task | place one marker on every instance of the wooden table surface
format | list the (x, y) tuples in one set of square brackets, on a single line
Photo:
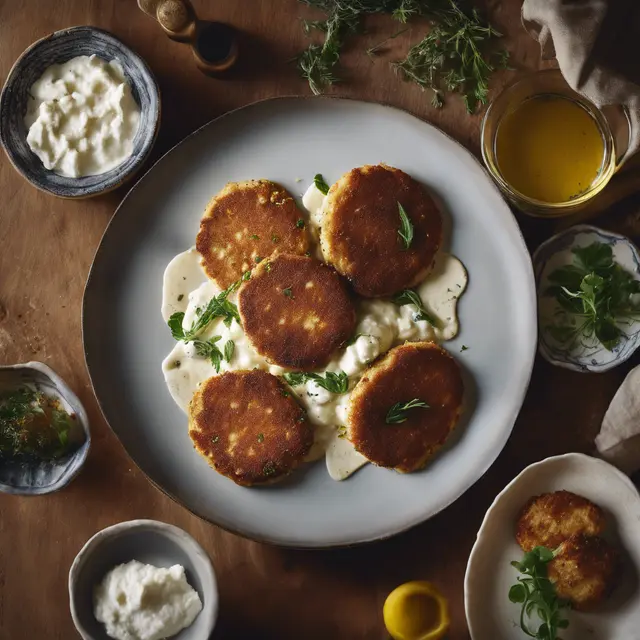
[(46, 248)]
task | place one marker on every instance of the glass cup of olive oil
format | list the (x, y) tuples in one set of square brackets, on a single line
[(550, 149)]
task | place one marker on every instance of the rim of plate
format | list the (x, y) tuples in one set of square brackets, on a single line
[(404, 526), (526, 471)]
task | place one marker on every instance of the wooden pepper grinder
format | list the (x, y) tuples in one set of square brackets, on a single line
[(214, 44)]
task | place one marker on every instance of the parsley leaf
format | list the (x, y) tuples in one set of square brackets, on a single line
[(398, 412), (320, 183), (209, 349), (406, 227), (333, 382), (409, 296), (288, 293), (229, 350)]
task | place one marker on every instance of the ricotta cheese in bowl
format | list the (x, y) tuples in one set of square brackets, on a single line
[(82, 117), (137, 601)]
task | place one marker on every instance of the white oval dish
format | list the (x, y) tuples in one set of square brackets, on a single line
[(149, 542), (490, 614), (588, 355)]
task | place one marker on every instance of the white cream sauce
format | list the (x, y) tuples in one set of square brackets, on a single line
[(82, 117), (380, 325)]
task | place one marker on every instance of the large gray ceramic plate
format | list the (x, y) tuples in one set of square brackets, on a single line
[(284, 139)]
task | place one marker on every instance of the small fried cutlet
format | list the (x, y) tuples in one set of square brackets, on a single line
[(414, 371), (245, 223), (549, 519), (249, 427), (360, 230), (584, 570), (296, 311)]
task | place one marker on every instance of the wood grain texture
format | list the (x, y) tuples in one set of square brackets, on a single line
[(46, 248)]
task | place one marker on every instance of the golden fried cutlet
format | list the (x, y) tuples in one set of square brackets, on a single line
[(360, 225), (249, 427), (417, 370), (296, 311), (549, 519), (584, 570), (245, 223)]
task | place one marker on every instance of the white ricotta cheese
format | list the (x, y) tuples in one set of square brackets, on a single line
[(81, 117), (138, 601)]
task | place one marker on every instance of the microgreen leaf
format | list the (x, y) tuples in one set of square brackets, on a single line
[(320, 183)]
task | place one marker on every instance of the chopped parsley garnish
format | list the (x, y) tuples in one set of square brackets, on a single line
[(406, 227), (333, 382), (209, 349), (261, 437), (275, 239), (258, 259), (463, 347), (398, 412), (300, 224), (180, 297), (269, 468), (253, 236), (229, 350), (320, 183), (288, 293)]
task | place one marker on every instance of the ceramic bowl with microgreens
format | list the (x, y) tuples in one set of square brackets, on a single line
[(588, 287), (21, 471)]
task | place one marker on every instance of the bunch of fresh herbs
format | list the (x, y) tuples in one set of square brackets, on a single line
[(536, 593), (595, 295), (456, 55)]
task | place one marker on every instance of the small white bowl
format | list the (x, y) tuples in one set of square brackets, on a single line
[(149, 542), (588, 355)]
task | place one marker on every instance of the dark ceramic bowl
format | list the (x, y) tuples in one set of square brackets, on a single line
[(57, 48), (39, 477)]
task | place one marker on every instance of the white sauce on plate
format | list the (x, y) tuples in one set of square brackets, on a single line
[(138, 601), (380, 326), (81, 117)]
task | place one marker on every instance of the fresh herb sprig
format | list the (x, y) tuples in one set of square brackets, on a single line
[(536, 593), (409, 296), (406, 227), (218, 307), (456, 55), (334, 382), (321, 184), (209, 349), (595, 295), (398, 412)]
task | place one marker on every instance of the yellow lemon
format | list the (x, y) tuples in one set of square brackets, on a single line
[(416, 611)]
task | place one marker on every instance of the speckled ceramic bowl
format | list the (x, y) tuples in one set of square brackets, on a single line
[(57, 48), (38, 477), (587, 354), (149, 542)]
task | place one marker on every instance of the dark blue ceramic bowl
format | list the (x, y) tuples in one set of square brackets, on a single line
[(57, 48)]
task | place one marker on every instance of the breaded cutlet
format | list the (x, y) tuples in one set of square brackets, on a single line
[(414, 371), (360, 230), (584, 570), (247, 222), (549, 519), (249, 427), (296, 311)]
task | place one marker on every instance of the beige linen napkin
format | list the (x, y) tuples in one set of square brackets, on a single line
[(596, 45), (619, 439)]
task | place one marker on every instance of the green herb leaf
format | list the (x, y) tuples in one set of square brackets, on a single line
[(229, 350), (320, 183), (409, 296), (535, 592), (269, 469), (595, 295), (209, 349), (406, 227), (333, 382), (175, 325), (261, 437), (300, 224), (253, 236), (288, 293), (398, 412)]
